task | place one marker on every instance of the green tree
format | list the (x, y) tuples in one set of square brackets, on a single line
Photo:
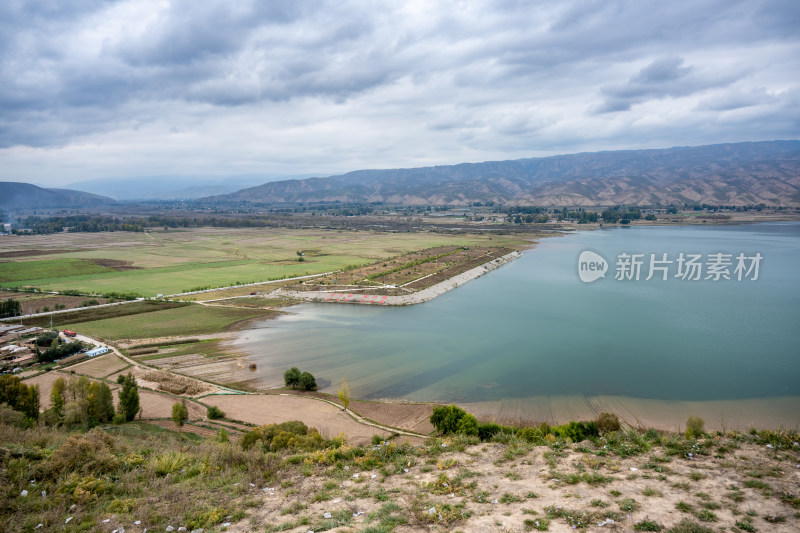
[(344, 394), (129, 398), (101, 402), (57, 397), (292, 377), (180, 414), (307, 381), (20, 397)]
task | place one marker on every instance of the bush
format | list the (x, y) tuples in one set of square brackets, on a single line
[(11, 417), (576, 431), (452, 419), (293, 435), (88, 454), (487, 431), (607, 422), (695, 427), (215, 413)]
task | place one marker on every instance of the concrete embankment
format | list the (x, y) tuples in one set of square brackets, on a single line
[(365, 298)]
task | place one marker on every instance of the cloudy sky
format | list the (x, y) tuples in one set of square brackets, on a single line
[(272, 87)]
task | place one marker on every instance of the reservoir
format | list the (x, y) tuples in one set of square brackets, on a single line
[(533, 341)]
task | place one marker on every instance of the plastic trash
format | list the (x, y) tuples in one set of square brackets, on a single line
[(170, 528), (44, 494), (327, 515), (373, 476), (107, 520), (634, 469), (359, 513), (226, 524), (38, 526), (770, 446), (67, 520), (432, 510), (23, 493), (137, 522), (355, 476)]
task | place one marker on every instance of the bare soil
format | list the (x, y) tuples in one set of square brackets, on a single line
[(262, 409)]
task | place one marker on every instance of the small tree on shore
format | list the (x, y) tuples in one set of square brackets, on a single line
[(307, 381), (292, 377), (344, 394)]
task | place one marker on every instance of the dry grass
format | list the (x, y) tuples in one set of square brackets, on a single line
[(174, 384)]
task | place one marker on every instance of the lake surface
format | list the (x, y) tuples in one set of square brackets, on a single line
[(533, 328)]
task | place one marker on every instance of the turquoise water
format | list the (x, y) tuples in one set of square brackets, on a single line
[(533, 328)]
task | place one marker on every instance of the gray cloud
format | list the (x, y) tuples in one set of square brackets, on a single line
[(342, 85)]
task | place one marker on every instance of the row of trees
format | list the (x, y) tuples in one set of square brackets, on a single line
[(80, 401), (9, 308), (294, 378)]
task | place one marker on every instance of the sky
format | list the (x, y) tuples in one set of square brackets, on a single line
[(93, 89)]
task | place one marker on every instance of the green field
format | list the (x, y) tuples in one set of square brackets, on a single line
[(192, 319), (178, 261), (46, 269)]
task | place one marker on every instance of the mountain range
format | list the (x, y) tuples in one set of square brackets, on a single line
[(15, 195), (748, 173)]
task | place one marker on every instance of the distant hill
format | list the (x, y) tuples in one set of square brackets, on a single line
[(723, 174), (170, 187), (15, 195)]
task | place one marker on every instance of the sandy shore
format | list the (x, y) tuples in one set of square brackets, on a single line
[(414, 298), (761, 413)]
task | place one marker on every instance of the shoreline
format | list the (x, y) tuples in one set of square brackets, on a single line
[(418, 297)]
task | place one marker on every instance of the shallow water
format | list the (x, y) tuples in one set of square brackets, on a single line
[(532, 328)]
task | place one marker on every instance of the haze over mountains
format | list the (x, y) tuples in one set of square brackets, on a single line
[(723, 174)]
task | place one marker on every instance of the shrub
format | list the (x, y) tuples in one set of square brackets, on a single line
[(487, 431), (292, 435), (452, 419), (695, 427), (128, 398), (88, 454), (607, 422), (11, 417), (576, 431), (215, 413)]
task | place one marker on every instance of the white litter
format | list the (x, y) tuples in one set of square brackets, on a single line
[(634, 469), (327, 515), (38, 526), (452, 494), (337, 500), (405, 470), (373, 476), (494, 501), (444, 445), (181, 528), (347, 467), (432, 510), (107, 520), (67, 520), (356, 515), (226, 524), (23, 493), (252, 484), (170, 528), (355, 476), (198, 530), (44, 494), (770, 446)]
